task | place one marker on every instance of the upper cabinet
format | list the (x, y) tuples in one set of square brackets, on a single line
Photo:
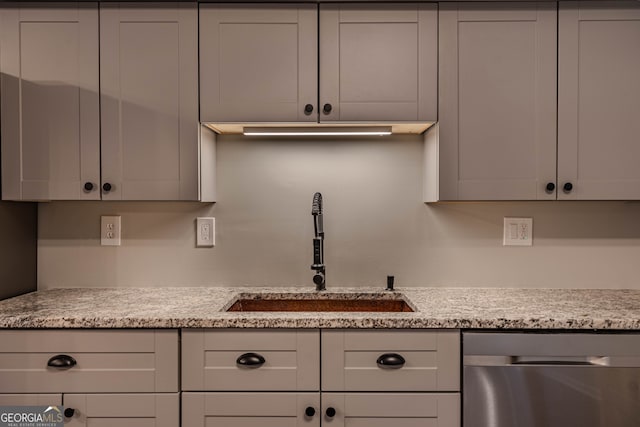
[(501, 90), (497, 102), (50, 101), (535, 100), (149, 101), (599, 100), (377, 62), (258, 62), (101, 104)]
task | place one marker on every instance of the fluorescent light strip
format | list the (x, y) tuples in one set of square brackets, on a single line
[(318, 131)]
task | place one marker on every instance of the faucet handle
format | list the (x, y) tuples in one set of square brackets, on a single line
[(319, 280), (317, 253)]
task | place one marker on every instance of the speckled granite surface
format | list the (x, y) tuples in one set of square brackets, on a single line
[(496, 308)]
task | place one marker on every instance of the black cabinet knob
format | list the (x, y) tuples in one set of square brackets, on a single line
[(550, 187), (308, 109), (250, 360), (567, 187), (88, 186), (327, 108), (68, 412), (106, 187), (331, 412), (62, 361), (310, 411)]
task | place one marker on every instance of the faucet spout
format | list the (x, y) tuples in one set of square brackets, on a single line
[(316, 204), (318, 243), (316, 211)]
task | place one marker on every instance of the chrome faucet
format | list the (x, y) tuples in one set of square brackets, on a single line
[(318, 243)]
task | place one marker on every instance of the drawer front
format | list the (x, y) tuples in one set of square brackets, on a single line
[(397, 410), (123, 410), (250, 409), (350, 360), (108, 361), (210, 360)]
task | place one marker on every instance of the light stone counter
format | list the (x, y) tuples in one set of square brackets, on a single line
[(495, 308)]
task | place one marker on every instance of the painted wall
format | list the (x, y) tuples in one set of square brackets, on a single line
[(375, 225), (18, 261)]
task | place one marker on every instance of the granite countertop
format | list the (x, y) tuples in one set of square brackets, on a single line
[(492, 308)]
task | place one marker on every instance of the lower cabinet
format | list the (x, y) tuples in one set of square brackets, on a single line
[(391, 409), (123, 410), (321, 409), (103, 378), (320, 378), (236, 378), (107, 410), (250, 409)]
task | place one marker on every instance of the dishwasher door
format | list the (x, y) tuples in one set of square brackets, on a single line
[(551, 380)]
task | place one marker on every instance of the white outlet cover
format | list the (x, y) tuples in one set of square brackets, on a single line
[(205, 232), (517, 232), (110, 227)]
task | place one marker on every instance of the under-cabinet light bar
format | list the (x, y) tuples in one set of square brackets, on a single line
[(318, 131)]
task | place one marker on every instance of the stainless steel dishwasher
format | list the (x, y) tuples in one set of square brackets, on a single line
[(551, 380)]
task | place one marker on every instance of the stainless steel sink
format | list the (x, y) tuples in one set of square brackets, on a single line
[(321, 303)]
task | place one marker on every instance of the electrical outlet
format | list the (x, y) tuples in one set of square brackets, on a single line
[(110, 230), (205, 232), (518, 232)]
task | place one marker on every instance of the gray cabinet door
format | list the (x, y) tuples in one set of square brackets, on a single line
[(149, 100), (378, 62), (397, 410), (50, 101), (258, 62), (250, 409), (497, 100), (123, 410), (599, 100)]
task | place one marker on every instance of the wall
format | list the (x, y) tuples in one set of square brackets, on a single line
[(18, 261), (375, 225)]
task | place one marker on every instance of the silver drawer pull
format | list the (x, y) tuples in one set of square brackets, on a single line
[(62, 361), (250, 360), (390, 361)]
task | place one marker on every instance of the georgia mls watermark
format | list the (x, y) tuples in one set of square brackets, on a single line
[(31, 416)]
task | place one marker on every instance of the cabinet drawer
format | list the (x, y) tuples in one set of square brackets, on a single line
[(398, 409), (350, 360), (210, 360), (126, 410), (106, 361), (250, 409)]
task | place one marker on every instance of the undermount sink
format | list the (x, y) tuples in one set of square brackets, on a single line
[(321, 303)]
